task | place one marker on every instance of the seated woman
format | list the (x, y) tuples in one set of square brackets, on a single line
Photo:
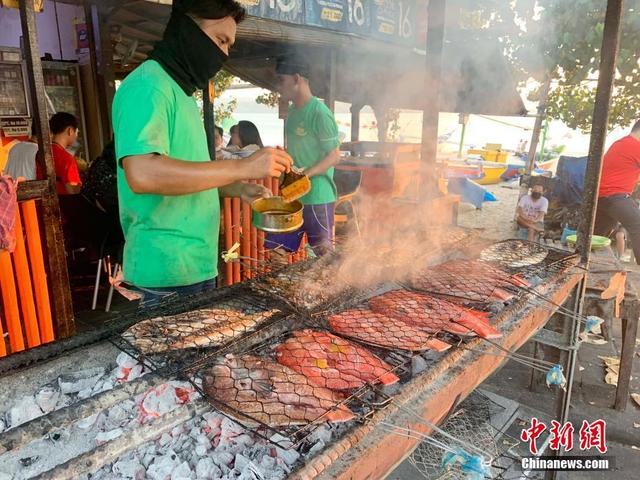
[(531, 211), (248, 140)]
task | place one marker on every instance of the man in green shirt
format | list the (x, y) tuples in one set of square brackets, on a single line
[(168, 188), (313, 143)]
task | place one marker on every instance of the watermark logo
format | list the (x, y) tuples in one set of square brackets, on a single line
[(591, 435)]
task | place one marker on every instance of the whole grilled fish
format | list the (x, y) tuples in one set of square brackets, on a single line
[(433, 314), (483, 270), (333, 362), (208, 327), (383, 331), (265, 392), (443, 280)]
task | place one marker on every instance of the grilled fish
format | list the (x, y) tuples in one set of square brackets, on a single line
[(208, 327), (515, 253), (333, 362), (483, 270), (265, 392), (383, 331), (455, 280), (433, 314)]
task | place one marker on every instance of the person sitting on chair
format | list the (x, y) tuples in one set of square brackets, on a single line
[(531, 211)]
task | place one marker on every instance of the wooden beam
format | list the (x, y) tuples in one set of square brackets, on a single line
[(103, 118), (431, 113), (57, 262), (600, 124), (107, 86), (32, 190)]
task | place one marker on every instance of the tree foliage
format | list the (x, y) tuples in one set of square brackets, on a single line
[(562, 39)]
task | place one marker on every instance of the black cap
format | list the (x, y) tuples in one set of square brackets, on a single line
[(292, 65), (182, 6)]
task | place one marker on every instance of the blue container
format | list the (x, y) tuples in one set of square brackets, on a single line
[(565, 233)]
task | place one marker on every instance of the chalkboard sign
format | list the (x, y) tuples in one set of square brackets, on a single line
[(394, 21), (291, 11), (349, 16)]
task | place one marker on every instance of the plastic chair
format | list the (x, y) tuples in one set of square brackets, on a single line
[(348, 184)]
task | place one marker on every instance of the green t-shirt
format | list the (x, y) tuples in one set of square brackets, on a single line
[(312, 132), (170, 240)]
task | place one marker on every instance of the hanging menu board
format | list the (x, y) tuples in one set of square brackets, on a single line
[(394, 21), (291, 11), (349, 16), (387, 20)]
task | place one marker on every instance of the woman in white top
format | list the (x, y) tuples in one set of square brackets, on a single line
[(248, 141)]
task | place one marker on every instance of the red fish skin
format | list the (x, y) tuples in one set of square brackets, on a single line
[(383, 331), (406, 306), (483, 270), (332, 361), (271, 393), (434, 312)]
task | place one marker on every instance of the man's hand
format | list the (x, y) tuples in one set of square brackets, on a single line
[(250, 192), (267, 162)]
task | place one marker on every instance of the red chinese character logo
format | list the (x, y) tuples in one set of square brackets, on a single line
[(531, 434), (593, 435), (561, 436)]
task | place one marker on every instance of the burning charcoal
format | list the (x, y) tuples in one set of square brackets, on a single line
[(77, 381), (104, 437), (316, 449), (27, 409), (206, 469), (129, 469), (162, 468), (86, 393), (182, 472), (321, 434), (89, 422), (165, 398), (165, 439), (5, 476), (3, 425), (418, 365), (28, 461), (287, 454), (47, 398), (201, 450), (222, 458)]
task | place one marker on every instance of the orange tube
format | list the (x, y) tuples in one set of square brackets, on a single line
[(3, 347), (228, 239), (246, 240), (29, 318), (235, 219), (10, 303), (39, 275)]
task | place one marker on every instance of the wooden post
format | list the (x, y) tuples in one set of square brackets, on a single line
[(537, 127), (58, 275), (107, 87), (431, 112), (103, 117), (600, 123)]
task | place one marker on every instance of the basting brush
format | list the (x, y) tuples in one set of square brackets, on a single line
[(295, 185)]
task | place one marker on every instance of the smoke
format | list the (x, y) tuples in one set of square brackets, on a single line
[(396, 239)]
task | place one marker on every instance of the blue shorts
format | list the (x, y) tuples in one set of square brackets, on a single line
[(318, 225), (153, 297)]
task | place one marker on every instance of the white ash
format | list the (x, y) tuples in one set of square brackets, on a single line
[(210, 446)]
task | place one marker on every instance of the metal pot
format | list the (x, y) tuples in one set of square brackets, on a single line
[(274, 215)]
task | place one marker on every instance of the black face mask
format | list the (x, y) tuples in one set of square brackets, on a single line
[(188, 54), (536, 195)]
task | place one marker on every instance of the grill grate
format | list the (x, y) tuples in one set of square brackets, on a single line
[(181, 333), (275, 401), (473, 423)]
